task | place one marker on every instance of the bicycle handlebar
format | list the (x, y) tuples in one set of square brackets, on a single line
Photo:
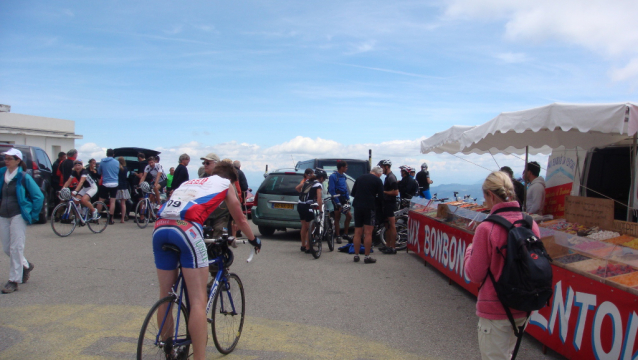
[(230, 240)]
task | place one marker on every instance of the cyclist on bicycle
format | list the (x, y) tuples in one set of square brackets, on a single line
[(337, 186), (180, 224), (310, 190), (86, 188), (157, 177)]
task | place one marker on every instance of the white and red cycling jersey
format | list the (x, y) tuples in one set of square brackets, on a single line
[(194, 200)]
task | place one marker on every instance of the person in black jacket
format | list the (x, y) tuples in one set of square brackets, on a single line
[(181, 172), (408, 187), (368, 195), (55, 179), (519, 188)]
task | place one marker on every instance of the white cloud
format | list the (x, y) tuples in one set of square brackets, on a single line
[(630, 71), (604, 27), (91, 151)]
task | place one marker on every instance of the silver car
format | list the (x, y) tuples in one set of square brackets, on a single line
[(275, 205)]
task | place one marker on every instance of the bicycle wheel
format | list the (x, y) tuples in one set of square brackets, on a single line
[(402, 237), (314, 239), (63, 219), (227, 318), (329, 232), (97, 226), (142, 209), (167, 347)]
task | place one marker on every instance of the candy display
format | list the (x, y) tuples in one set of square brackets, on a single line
[(568, 259), (620, 240), (564, 226), (632, 244), (575, 240), (630, 280), (612, 270), (591, 245), (588, 265), (603, 235)]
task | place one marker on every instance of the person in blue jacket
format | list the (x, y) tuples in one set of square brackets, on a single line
[(20, 203), (109, 169), (337, 186)]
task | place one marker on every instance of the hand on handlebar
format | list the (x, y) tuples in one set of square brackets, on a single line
[(256, 243)]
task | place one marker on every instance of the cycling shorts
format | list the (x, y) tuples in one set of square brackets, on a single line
[(90, 191), (305, 213), (389, 207), (185, 235), (107, 192), (364, 217)]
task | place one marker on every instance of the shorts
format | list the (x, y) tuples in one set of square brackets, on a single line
[(305, 214), (162, 185), (426, 194), (389, 207), (90, 191), (185, 235), (364, 217), (496, 338), (339, 206), (107, 192)]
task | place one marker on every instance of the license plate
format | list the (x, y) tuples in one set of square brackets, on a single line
[(283, 206)]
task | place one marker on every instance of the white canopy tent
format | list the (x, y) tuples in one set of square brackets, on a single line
[(542, 129)]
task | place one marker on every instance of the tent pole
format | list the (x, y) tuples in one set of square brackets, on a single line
[(526, 184), (632, 191)]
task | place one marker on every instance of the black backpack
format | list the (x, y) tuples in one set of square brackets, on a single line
[(305, 190), (526, 280)]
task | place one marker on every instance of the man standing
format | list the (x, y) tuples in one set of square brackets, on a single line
[(142, 163), (169, 180), (55, 179), (390, 191), (243, 186), (408, 187), (66, 167), (519, 188), (338, 187), (423, 178), (535, 189), (181, 172), (157, 177), (109, 169), (367, 192)]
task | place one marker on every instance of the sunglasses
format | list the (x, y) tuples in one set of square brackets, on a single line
[(208, 162), (9, 158)]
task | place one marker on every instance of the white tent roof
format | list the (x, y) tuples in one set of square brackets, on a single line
[(542, 129)]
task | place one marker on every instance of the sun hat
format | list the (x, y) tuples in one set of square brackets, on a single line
[(211, 156)]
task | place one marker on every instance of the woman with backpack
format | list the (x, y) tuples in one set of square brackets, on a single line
[(20, 204), (310, 192), (483, 257)]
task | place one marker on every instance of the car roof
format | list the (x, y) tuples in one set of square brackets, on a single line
[(133, 151)]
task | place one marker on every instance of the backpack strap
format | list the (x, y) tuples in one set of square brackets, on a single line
[(497, 219), (508, 209)]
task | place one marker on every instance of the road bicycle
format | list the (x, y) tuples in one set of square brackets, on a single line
[(166, 336), (322, 228), (67, 215), (145, 211), (401, 226)]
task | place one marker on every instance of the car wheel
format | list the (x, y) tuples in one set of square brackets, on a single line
[(266, 230)]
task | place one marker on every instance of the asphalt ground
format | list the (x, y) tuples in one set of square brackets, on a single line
[(89, 294)]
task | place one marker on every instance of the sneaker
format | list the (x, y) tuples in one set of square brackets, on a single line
[(338, 239), (96, 215), (26, 273), (369, 260), (389, 251), (308, 251), (10, 287), (356, 258), (303, 248)]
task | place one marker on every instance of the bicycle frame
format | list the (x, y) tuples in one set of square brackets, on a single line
[(148, 205), (72, 205)]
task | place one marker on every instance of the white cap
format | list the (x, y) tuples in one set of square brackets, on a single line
[(13, 152)]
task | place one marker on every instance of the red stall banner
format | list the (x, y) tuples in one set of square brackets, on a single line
[(586, 318)]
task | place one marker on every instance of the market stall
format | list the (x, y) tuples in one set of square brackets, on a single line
[(593, 312)]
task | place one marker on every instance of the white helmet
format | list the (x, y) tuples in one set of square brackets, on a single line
[(385, 162), (424, 166), (65, 194), (145, 187)]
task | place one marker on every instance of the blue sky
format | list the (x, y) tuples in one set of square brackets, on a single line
[(272, 82)]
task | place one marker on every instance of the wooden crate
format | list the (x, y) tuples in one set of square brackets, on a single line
[(627, 228)]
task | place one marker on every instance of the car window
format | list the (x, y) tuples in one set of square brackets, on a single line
[(42, 159), (280, 184)]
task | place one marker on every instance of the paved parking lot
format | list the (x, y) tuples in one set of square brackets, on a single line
[(89, 293)]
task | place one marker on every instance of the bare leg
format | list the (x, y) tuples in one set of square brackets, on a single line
[(367, 238), (346, 224), (357, 241), (123, 208), (112, 207), (337, 223), (166, 280), (197, 323), (304, 233), (86, 201), (391, 233)]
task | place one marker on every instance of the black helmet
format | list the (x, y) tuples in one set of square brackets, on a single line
[(321, 173), (385, 162)]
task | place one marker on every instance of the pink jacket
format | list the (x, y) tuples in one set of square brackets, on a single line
[(482, 254)]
